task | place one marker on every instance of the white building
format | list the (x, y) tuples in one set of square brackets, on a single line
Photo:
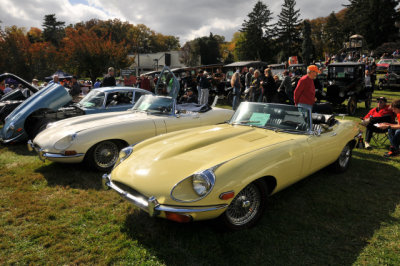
[(156, 61)]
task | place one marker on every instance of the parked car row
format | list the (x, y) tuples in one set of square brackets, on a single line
[(183, 162)]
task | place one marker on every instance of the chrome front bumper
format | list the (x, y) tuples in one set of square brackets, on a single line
[(17, 138), (47, 155), (151, 205)]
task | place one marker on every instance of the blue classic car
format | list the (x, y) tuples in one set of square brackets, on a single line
[(54, 103)]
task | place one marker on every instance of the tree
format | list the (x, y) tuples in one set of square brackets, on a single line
[(53, 30), (207, 48), (86, 53), (333, 36), (288, 29), (307, 47), (253, 44), (373, 19)]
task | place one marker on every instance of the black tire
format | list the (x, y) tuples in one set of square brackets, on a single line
[(104, 155), (246, 208), (343, 162), (39, 127), (352, 106)]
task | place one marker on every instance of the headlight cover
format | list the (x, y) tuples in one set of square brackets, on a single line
[(123, 155), (195, 187), (65, 142)]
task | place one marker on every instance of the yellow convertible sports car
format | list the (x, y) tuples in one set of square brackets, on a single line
[(228, 170), (98, 138)]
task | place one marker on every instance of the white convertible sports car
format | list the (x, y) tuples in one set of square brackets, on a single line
[(98, 138)]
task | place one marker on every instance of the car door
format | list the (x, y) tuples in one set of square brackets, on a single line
[(118, 101), (325, 149), (182, 121)]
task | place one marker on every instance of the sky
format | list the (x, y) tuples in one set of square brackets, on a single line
[(185, 19)]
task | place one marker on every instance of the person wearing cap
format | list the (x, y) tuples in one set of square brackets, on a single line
[(188, 97), (35, 83), (380, 114), (304, 94), (109, 79), (393, 131)]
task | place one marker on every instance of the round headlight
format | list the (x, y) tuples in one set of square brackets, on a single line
[(123, 154), (203, 182), (65, 142)]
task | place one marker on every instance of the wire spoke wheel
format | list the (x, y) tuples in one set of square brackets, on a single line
[(105, 154), (245, 206), (344, 157)]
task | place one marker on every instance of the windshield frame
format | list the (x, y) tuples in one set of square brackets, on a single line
[(150, 97), (94, 93), (284, 110)]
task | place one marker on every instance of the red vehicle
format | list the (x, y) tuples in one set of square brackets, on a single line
[(383, 65)]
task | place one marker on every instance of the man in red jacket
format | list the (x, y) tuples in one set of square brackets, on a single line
[(381, 113), (304, 94)]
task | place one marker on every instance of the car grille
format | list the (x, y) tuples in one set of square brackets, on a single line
[(128, 189)]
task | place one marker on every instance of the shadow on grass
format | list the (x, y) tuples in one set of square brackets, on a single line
[(325, 219), (78, 175), (18, 148)]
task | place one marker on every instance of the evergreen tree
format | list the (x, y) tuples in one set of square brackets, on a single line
[(373, 19), (257, 34), (53, 30), (307, 47), (333, 36), (288, 29)]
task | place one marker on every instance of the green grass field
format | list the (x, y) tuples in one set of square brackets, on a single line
[(59, 214)]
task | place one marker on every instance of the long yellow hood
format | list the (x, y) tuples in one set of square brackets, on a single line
[(157, 164)]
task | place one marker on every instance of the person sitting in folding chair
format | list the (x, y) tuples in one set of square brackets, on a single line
[(380, 114), (393, 131)]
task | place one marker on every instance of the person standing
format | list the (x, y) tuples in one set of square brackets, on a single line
[(247, 82), (304, 94), (255, 86), (236, 86), (7, 89), (56, 79), (75, 90), (109, 79), (205, 86), (269, 87), (97, 84), (286, 86)]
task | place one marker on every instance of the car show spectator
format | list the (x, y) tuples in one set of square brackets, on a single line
[(35, 83), (304, 94), (393, 131), (380, 114), (286, 86), (205, 88), (7, 89), (236, 90), (97, 84), (188, 97), (75, 89), (255, 86), (109, 79), (269, 87), (56, 80), (247, 82)]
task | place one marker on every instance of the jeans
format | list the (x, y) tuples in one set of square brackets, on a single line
[(305, 106), (204, 96), (236, 98), (394, 137)]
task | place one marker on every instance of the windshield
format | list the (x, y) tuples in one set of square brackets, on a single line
[(154, 104), (272, 116), (94, 99)]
